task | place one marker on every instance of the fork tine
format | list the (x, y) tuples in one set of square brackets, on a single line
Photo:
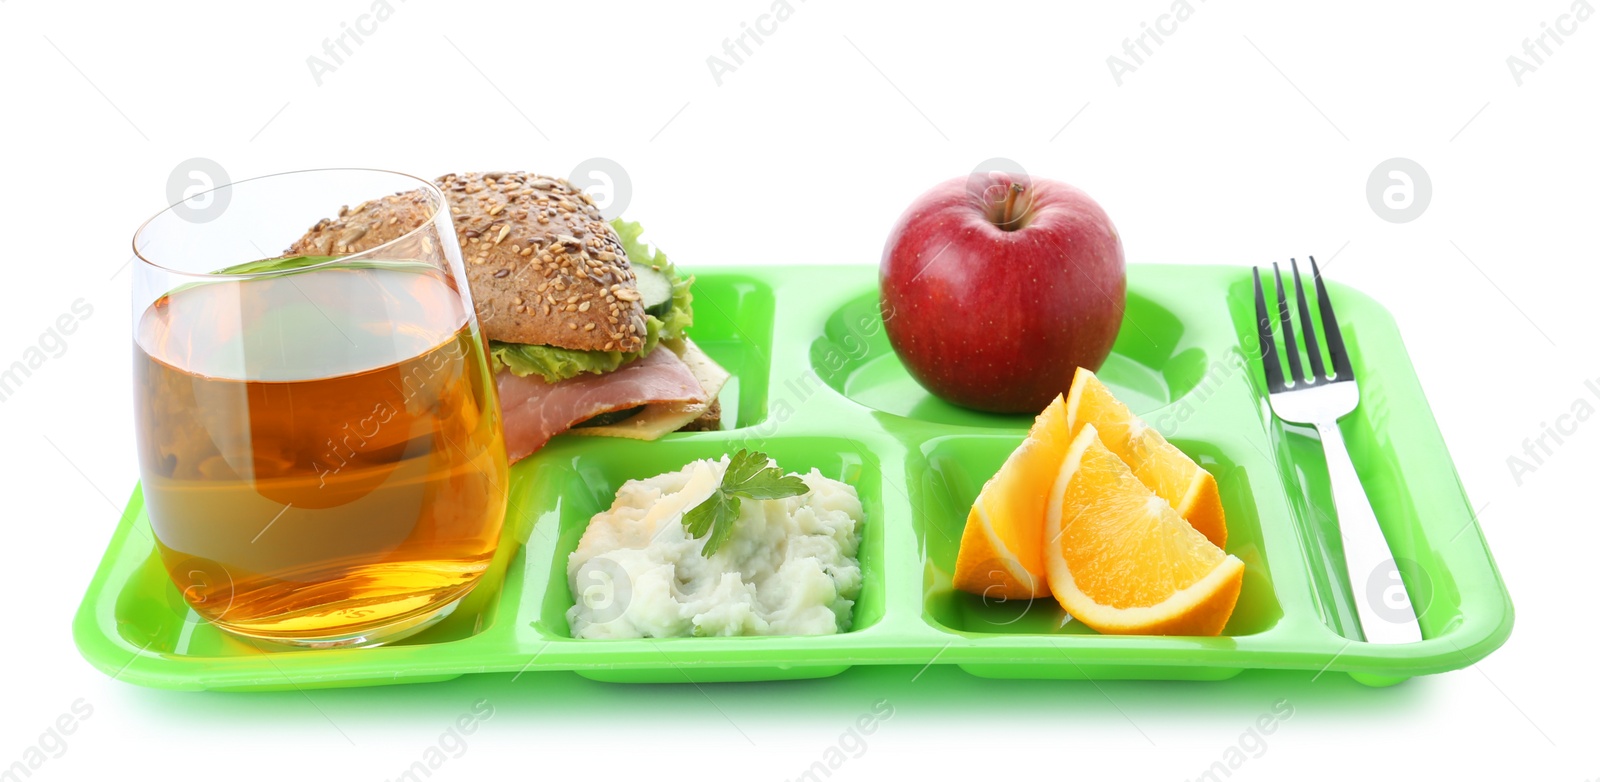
[(1291, 348), (1313, 351), (1269, 350), (1330, 327)]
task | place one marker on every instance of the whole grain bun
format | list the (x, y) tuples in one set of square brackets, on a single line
[(544, 267), (365, 226)]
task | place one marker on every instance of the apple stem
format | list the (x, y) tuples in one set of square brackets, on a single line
[(1010, 206)]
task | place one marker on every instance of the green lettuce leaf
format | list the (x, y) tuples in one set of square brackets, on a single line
[(556, 364), (280, 264), (293, 264)]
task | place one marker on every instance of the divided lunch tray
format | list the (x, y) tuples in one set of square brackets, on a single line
[(816, 385)]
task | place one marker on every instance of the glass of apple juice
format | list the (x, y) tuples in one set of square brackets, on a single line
[(319, 437)]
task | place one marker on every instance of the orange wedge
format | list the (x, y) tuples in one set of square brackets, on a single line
[(1158, 464), (1119, 559), (1001, 556)]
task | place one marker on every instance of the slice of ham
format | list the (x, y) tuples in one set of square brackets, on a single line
[(658, 419), (535, 411)]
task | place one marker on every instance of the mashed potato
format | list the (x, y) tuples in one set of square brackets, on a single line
[(789, 567)]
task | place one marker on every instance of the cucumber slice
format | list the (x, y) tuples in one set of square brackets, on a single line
[(655, 290), (613, 417)]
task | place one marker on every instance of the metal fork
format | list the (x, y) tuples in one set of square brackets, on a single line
[(1321, 400)]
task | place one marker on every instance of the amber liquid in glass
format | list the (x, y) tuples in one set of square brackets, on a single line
[(321, 451)]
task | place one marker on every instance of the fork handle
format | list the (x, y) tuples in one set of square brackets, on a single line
[(1382, 603)]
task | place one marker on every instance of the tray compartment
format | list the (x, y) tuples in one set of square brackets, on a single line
[(576, 481), (1389, 394), (734, 316), (956, 468), (1151, 364), (150, 613)]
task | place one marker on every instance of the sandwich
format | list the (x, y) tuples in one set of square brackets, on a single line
[(586, 324)]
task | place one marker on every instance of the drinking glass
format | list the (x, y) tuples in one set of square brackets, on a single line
[(319, 436)]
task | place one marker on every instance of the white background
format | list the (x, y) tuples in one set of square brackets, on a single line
[(1247, 137)]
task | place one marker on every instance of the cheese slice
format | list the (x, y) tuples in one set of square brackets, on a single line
[(658, 419)]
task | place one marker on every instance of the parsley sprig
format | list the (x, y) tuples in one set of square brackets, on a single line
[(748, 476)]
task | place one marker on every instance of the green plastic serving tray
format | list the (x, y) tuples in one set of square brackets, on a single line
[(816, 385)]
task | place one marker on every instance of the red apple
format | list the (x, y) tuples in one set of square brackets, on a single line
[(996, 287)]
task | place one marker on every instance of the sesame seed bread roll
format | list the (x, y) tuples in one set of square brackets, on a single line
[(544, 267), (365, 226)]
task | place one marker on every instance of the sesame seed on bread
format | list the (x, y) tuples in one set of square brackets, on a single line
[(544, 267), (365, 226)]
